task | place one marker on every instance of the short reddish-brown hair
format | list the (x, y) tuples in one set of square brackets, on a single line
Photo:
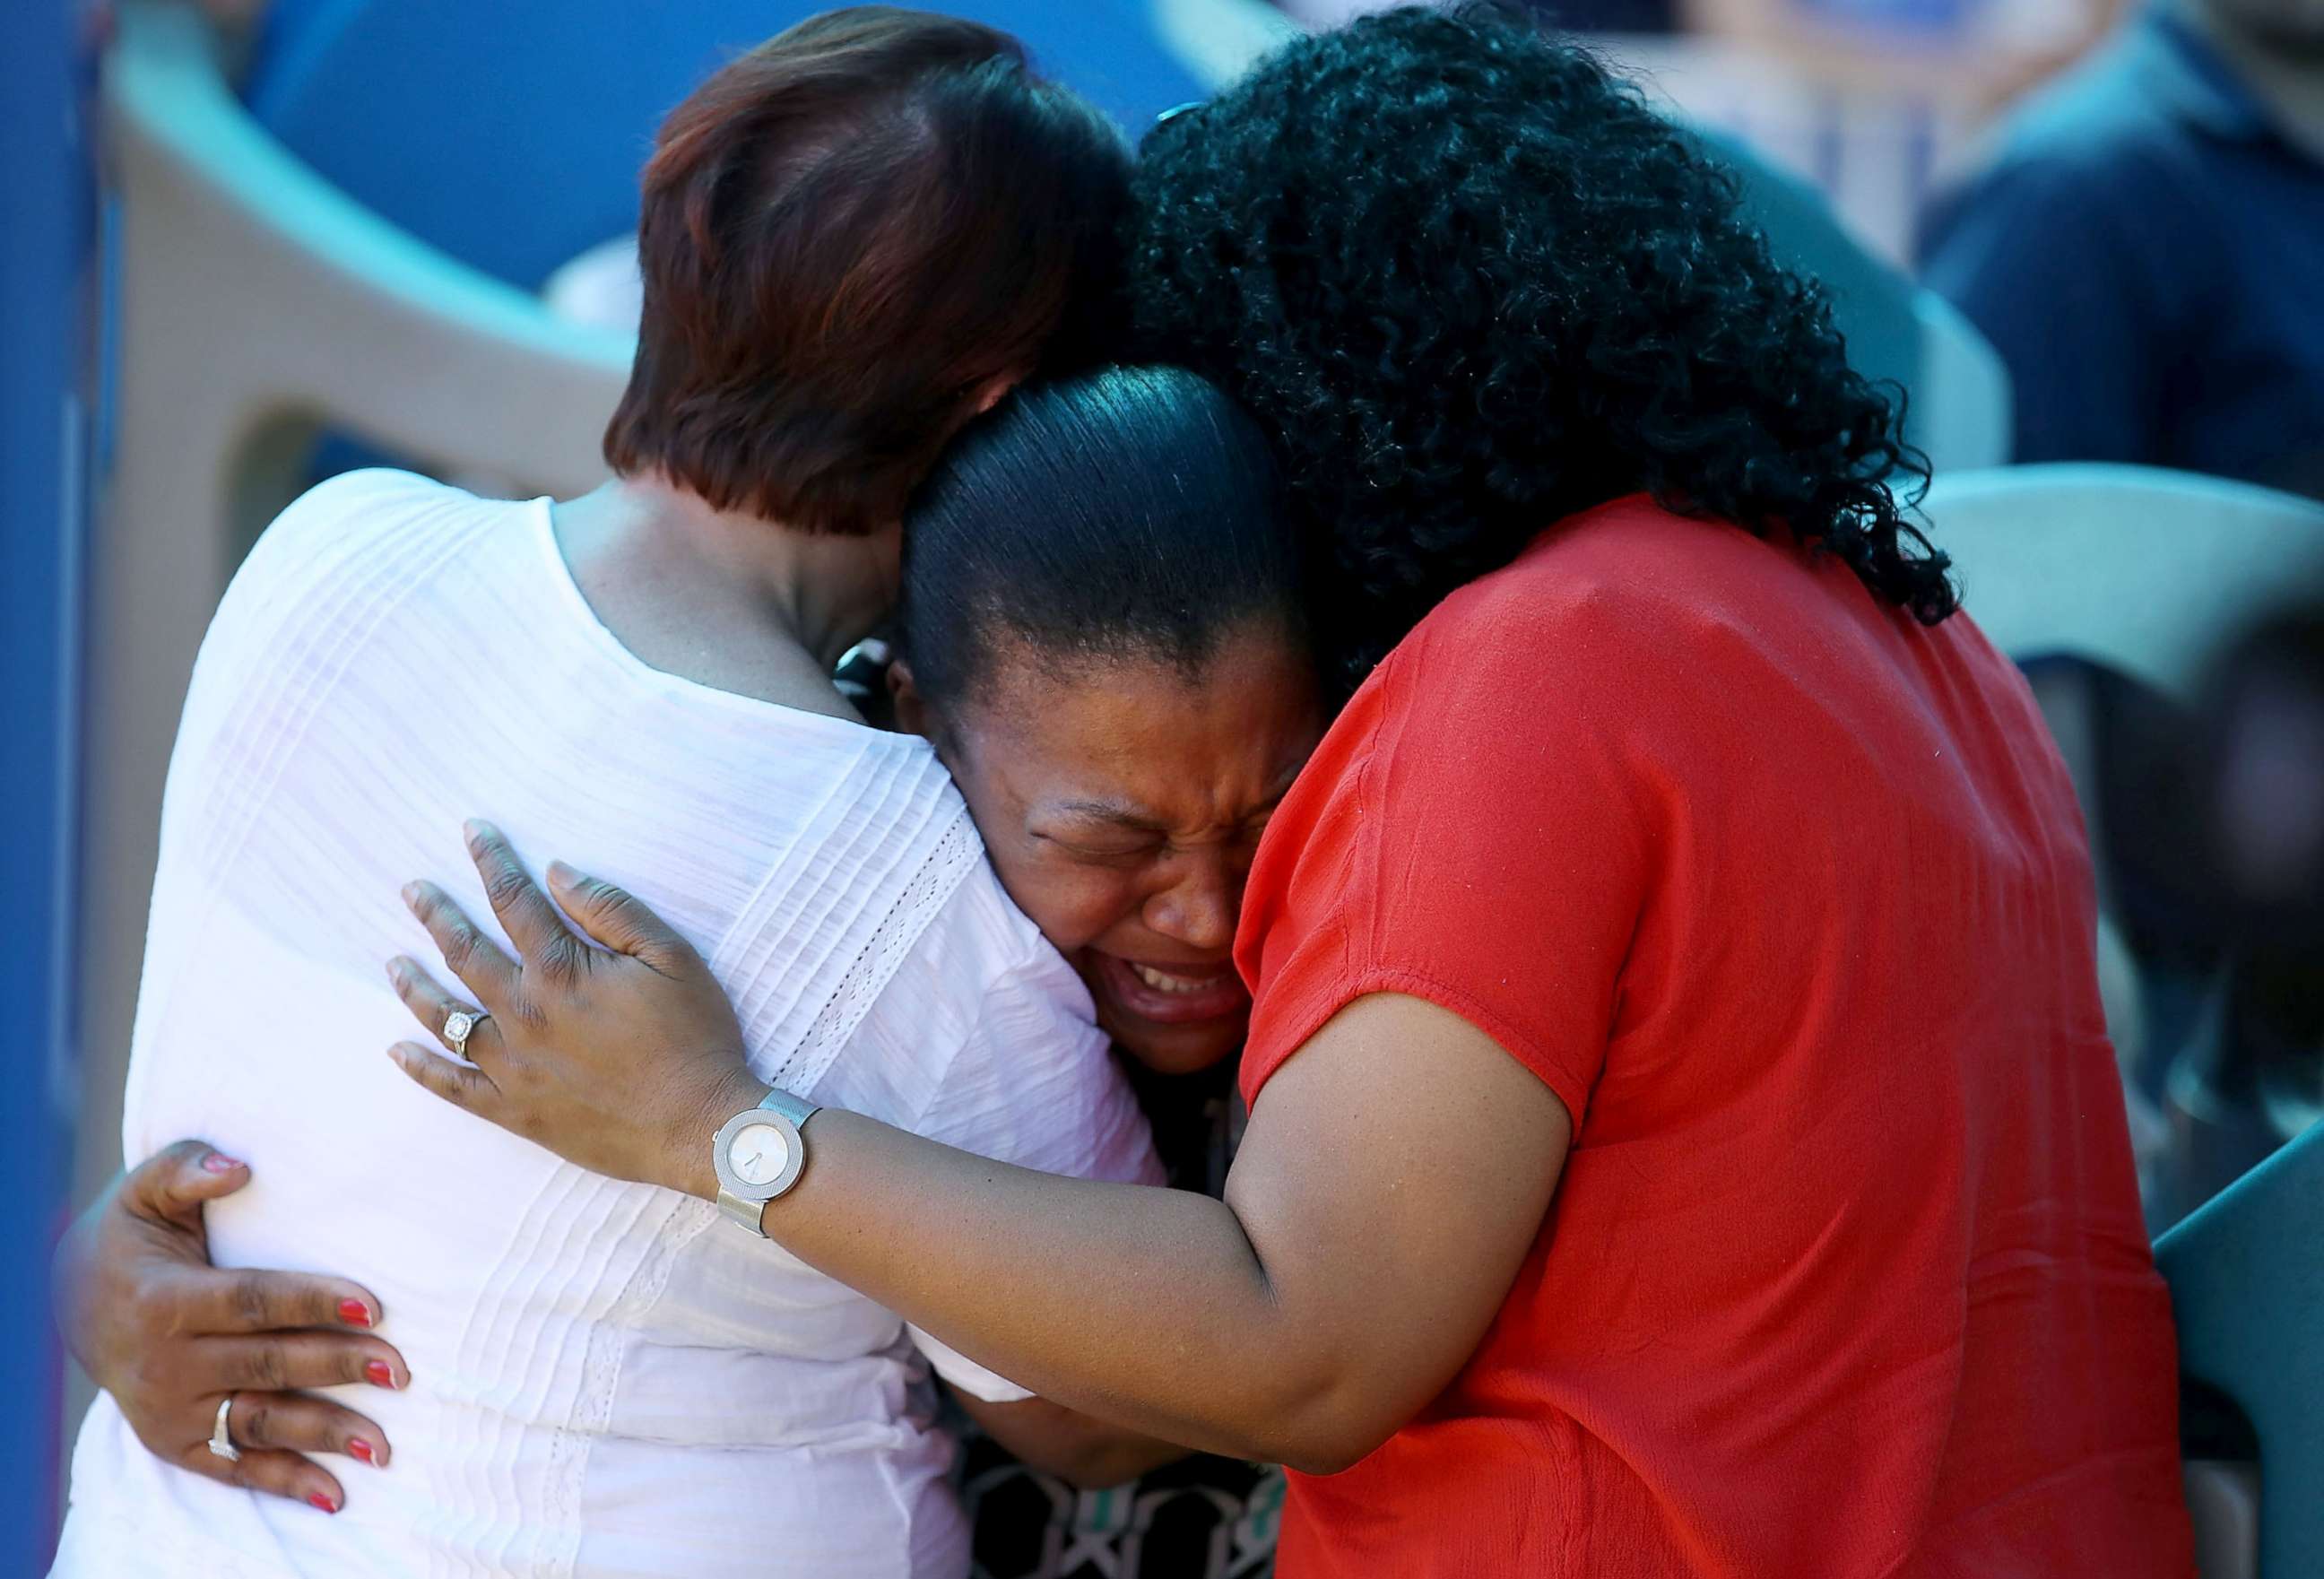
[(845, 236)]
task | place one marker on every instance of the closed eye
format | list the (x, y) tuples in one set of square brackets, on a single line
[(1108, 853)]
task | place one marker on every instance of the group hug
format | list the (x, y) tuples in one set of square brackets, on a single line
[(1289, 819)]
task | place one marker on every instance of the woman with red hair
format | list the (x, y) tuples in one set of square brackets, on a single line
[(854, 239)]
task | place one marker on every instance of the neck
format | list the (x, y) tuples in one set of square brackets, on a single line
[(2288, 80), (824, 593), (727, 600)]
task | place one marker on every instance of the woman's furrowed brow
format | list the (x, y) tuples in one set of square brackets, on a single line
[(1123, 813)]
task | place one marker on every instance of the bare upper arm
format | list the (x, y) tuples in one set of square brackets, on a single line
[(1392, 1179)]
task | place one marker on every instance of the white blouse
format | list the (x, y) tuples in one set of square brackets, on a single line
[(608, 1379)]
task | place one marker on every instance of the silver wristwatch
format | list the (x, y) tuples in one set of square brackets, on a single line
[(759, 1153)]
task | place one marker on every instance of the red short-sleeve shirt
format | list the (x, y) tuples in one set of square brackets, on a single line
[(1787, 899)]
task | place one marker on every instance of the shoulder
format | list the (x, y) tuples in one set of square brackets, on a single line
[(358, 496), (353, 516), (2154, 92), (1030, 1013), (2045, 199), (983, 935), (2104, 106), (929, 921), (1536, 690), (1610, 595), (1608, 660), (2113, 137), (1007, 1058), (1629, 549), (340, 554), (978, 970)]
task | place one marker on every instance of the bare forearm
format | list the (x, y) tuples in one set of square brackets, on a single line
[(1147, 1308), (1079, 1449), (1387, 1192)]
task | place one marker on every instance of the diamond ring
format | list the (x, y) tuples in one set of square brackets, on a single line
[(459, 1025), (222, 1444)]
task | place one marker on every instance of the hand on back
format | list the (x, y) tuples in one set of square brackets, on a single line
[(623, 1058), (170, 1336)]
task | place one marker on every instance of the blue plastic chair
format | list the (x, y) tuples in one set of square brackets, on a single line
[(509, 134), (2246, 1275)]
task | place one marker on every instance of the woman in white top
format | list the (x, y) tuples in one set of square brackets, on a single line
[(609, 1382), (1104, 618), (597, 1378)]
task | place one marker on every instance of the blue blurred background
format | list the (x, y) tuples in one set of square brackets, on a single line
[(248, 243)]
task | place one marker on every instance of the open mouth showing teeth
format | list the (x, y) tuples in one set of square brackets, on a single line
[(1184, 996), (1163, 981)]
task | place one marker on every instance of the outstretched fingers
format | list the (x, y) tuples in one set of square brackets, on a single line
[(433, 1008), (256, 1300), (621, 920), (294, 1422), (273, 1471), (482, 967), (532, 923)]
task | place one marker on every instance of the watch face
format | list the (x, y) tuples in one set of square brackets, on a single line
[(757, 1153)]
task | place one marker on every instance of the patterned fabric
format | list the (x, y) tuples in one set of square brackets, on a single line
[(1202, 1518)]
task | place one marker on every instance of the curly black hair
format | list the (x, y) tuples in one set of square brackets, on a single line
[(1471, 283)]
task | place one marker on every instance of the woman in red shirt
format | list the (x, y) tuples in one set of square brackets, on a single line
[(1683, 1135)]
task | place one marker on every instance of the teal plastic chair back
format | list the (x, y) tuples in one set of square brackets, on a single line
[(1871, 302), (2148, 571), (1958, 412), (2246, 1275)]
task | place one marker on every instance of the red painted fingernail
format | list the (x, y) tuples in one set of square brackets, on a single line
[(219, 1162), (359, 1448), (354, 1313), (380, 1375), (325, 1503)]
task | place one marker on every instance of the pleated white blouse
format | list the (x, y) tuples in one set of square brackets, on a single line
[(607, 1378)]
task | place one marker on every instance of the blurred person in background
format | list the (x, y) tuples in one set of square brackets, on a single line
[(2212, 811), (1983, 51), (857, 237), (2144, 247), (1976, 53), (2263, 755)]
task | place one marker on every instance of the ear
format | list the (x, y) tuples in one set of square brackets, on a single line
[(992, 392), (911, 710)]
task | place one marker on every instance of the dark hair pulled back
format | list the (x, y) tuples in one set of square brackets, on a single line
[(1128, 515)]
